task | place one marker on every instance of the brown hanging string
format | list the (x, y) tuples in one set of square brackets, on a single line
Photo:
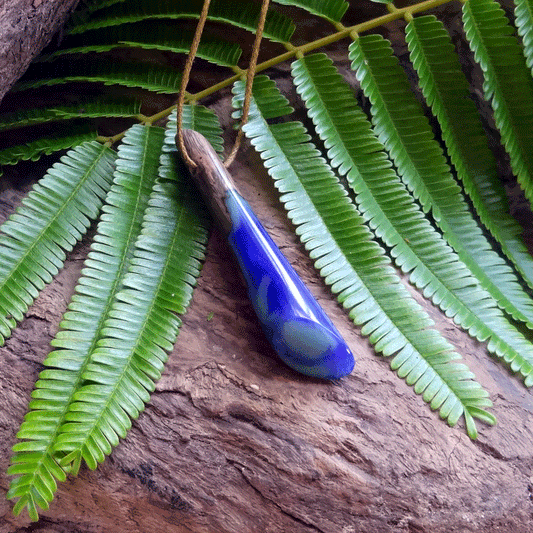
[(185, 80), (250, 73)]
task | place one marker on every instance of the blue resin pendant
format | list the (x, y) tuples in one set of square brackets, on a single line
[(297, 327)]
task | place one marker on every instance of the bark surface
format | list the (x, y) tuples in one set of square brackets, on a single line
[(26, 27), (233, 441)]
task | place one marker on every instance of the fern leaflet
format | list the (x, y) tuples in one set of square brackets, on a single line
[(508, 84), (338, 240), (149, 36), (155, 78), (239, 13), (415, 245), (446, 90), (404, 130), (195, 117), (524, 22), (87, 109), (329, 9), (33, 150), (51, 219)]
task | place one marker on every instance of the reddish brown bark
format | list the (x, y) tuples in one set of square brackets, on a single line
[(233, 441), (26, 27)]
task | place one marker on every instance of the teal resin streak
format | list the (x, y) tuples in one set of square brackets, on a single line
[(293, 321)]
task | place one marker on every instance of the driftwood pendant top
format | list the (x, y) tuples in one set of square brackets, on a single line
[(293, 321)]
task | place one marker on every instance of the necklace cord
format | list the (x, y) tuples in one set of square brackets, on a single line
[(185, 80), (250, 73)]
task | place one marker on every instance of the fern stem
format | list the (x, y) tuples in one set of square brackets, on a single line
[(342, 33), (294, 51)]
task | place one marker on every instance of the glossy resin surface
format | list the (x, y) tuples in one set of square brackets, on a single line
[(293, 321)]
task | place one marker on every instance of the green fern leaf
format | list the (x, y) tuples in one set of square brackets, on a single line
[(101, 281), (524, 22), (51, 219), (197, 118), (446, 90), (402, 127), (141, 328), (88, 109), (330, 9), (415, 246), (149, 36), (152, 77), (81, 326), (239, 13), (354, 265), (507, 84), (47, 145)]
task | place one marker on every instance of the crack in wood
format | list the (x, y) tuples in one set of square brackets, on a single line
[(241, 468)]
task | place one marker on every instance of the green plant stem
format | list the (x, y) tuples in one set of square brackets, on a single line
[(340, 34), (296, 51)]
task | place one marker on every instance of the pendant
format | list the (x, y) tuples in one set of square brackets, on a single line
[(293, 321)]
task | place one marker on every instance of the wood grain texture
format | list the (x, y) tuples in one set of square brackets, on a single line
[(26, 27), (234, 441), (211, 177)]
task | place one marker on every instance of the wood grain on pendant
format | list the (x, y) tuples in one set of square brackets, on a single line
[(210, 176), (297, 327)]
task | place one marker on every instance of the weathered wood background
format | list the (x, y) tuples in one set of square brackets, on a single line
[(26, 27), (235, 442)]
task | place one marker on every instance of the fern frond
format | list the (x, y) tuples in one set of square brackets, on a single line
[(102, 279), (82, 324), (239, 13), (415, 245), (507, 83), (355, 266), (142, 327), (89, 109), (329, 9), (51, 219), (47, 145), (149, 36), (446, 90), (198, 118), (404, 130), (524, 22), (149, 76)]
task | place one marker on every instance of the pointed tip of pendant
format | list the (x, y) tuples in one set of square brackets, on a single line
[(340, 364)]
